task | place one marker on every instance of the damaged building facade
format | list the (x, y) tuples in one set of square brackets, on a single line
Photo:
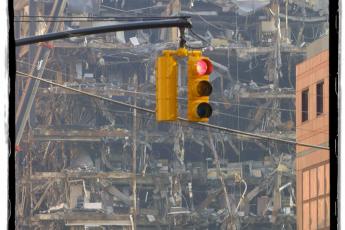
[(86, 163)]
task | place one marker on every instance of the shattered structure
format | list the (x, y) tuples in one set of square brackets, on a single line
[(84, 163)]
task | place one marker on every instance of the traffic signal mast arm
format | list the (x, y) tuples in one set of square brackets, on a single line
[(181, 22), (199, 68)]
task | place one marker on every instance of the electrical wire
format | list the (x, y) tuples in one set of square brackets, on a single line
[(152, 94), (144, 8), (129, 11), (223, 28), (215, 112), (125, 114), (200, 38), (238, 132), (151, 119), (211, 24), (213, 102)]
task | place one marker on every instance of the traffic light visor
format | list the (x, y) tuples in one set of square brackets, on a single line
[(203, 67)]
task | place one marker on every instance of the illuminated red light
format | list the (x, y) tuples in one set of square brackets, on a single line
[(203, 67)]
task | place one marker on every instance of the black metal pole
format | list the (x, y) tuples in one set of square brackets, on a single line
[(179, 22)]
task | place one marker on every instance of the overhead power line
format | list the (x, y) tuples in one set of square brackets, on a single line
[(234, 131), (213, 101), (133, 11)]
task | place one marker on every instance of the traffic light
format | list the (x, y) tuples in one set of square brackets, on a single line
[(166, 87), (199, 87)]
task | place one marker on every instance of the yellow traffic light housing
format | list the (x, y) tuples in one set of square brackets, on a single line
[(199, 87), (166, 87)]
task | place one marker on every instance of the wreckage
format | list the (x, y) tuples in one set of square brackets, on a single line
[(85, 163)]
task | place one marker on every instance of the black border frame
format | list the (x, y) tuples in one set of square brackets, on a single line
[(333, 113), (333, 110), (11, 118)]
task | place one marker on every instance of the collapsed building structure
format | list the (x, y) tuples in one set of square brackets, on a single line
[(83, 163)]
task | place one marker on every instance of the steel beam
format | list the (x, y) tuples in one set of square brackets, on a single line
[(77, 134)]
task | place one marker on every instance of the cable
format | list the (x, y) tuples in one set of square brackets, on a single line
[(211, 101), (151, 119), (144, 8), (125, 114), (152, 94), (200, 38), (209, 23), (126, 11), (242, 133)]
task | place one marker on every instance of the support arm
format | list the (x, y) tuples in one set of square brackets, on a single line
[(175, 22)]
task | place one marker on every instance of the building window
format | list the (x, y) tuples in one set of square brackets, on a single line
[(305, 94), (319, 98), (316, 197)]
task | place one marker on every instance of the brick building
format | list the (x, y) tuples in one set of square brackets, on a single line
[(312, 127)]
